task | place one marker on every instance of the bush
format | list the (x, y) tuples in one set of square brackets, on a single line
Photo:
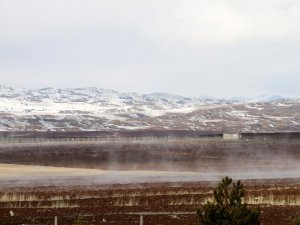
[(296, 221), (227, 207)]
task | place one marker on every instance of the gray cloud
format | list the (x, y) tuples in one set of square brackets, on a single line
[(217, 48)]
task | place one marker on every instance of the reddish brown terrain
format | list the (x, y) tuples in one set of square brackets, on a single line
[(114, 180), (279, 201)]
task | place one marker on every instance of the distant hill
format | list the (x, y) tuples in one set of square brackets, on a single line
[(101, 109)]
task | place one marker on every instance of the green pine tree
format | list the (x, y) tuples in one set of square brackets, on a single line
[(227, 207)]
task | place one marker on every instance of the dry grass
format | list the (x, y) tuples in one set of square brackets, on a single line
[(15, 170)]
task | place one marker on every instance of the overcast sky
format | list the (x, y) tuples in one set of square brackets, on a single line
[(218, 48)]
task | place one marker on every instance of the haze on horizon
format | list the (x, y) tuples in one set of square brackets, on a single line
[(191, 48)]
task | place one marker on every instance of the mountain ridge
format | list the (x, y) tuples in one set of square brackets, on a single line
[(264, 97), (95, 108)]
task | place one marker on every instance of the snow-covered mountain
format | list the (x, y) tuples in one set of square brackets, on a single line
[(101, 109), (261, 98)]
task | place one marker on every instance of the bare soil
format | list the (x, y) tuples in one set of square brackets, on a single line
[(122, 204)]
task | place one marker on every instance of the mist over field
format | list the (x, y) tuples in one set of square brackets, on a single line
[(121, 157)]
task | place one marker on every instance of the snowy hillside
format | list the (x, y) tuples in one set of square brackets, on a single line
[(101, 109)]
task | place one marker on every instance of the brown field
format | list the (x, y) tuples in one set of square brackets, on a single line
[(279, 201), (113, 181)]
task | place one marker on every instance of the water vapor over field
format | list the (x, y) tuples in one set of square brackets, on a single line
[(150, 159)]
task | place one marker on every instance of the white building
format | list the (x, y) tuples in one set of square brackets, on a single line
[(235, 136)]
